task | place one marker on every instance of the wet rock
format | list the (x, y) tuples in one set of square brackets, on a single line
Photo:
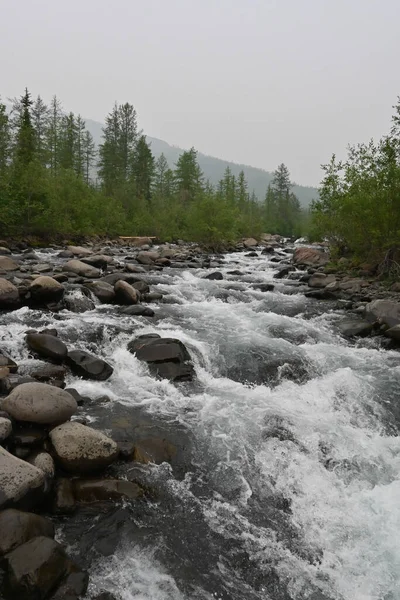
[(19, 527), (138, 311), (105, 596), (284, 272), (354, 328), (63, 496), (5, 429), (73, 587), (264, 287), (48, 373), (4, 251), (250, 243), (9, 363), (152, 297), (125, 293), (323, 294), (268, 250), (102, 290), (81, 449), (39, 403), (79, 251), (80, 268), (47, 346), (217, 276), (44, 462), (147, 258), (321, 280), (141, 286), (9, 295), (393, 333), (9, 383), (45, 289), (21, 484), (87, 366), (7, 264), (35, 569), (112, 278), (29, 436), (154, 450), (78, 304), (100, 261), (383, 312), (88, 491), (310, 257), (134, 268), (80, 400), (167, 357)]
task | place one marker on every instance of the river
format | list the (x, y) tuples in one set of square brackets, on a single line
[(286, 483)]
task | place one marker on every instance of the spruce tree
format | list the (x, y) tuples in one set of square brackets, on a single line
[(40, 122), (188, 176), (89, 155), (143, 170), (54, 134), (5, 139)]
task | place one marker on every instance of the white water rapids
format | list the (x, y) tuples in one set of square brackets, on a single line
[(285, 414)]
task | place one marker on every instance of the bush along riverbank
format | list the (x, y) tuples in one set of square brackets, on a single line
[(64, 453)]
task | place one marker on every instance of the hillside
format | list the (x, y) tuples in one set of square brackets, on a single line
[(214, 168)]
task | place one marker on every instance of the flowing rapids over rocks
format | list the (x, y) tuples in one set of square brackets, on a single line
[(286, 482)]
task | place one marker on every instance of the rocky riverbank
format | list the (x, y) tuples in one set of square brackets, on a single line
[(53, 460)]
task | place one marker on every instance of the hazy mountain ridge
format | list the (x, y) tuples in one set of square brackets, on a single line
[(214, 168)]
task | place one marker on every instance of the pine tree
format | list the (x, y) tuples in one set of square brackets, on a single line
[(143, 169), (89, 155), (79, 158), (40, 122), (54, 134), (5, 139), (188, 176), (25, 137), (242, 191), (160, 170), (67, 142)]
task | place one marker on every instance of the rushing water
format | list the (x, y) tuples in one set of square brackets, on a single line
[(288, 482)]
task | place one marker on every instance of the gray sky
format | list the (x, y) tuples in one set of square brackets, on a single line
[(254, 81)]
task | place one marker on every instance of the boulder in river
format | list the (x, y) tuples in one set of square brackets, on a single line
[(47, 346), (21, 484), (44, 462), (321, 280), (88, 491), (39, 403), (125, 293), (9, 295), (384, 312), (45, 290), (18, 527), (34, 570), (167, 357), (394, 333), (216, 275), (354, 328), (82, 449), (80, 268), (88, 366), (310, 257), (5, 428), (79, 251), (250, 243), (8, 264), (102, 290), (138, 310)]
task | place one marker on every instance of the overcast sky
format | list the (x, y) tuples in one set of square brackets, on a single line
[(253, 81)]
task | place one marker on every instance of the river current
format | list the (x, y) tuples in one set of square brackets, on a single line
[(287, 481)]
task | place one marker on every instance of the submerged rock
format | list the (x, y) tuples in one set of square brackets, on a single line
[(167, 357), (217, 276), (138, 311), (88, 491), (81, 449)]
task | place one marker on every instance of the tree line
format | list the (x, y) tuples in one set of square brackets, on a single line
[(359, 206), (53, 180)]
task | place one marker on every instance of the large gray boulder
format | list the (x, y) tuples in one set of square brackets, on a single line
[(81, 449), (80, 268), (9, 296), (310, 257), (39, 403), (320, 280), (47, 346), (125, 293), (383, 312), (21, 484), (35, 570), (18, 527), (87, 366), (45, 290), (79, 251)]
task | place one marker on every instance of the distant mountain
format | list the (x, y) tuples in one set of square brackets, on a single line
[(214, 168)]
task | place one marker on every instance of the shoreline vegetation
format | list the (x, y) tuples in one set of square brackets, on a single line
[(54, 179)]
